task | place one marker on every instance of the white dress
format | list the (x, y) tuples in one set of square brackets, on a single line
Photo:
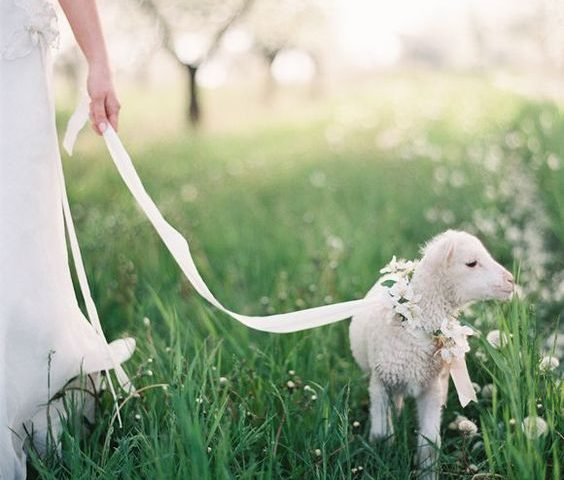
[(45, 340)]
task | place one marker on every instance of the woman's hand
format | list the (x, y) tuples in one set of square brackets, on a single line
[(104, 105), (85, 23)]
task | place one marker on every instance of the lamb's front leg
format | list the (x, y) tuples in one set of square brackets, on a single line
[(380, 414), (429, 405)]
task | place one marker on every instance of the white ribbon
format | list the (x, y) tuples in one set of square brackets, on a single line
[(180, 250), (461, 379)]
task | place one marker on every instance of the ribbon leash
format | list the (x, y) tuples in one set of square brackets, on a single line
[(180, 250)]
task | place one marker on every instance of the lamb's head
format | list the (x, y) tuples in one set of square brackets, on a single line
[(466, 268)]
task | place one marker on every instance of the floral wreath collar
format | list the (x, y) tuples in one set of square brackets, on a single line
[(451, 338)]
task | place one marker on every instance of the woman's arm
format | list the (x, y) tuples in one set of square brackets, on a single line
[(85, 23)]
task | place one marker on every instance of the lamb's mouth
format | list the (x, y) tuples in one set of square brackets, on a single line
[(504, 293)]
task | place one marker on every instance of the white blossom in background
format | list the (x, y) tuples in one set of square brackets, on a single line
[(548, 363), (496, 338), (488, 390), (468, 427), (534, 427)]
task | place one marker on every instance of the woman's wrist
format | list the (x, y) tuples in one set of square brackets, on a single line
[(99, 65)]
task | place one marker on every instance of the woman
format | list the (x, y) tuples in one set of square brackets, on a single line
[(45, 340)]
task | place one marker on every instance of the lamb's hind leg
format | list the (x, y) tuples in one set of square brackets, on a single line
[(380, 414), (429, 405)]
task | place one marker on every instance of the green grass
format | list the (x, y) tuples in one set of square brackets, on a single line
[(284, 214)]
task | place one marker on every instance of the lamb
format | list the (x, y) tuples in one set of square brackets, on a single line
[(399, 351)]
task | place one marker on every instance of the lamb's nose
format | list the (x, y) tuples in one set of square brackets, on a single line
[(509, 277)]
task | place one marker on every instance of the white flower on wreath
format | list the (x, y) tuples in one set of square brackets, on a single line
[(453, 338), (397, 266), (411, 312), (397, 278), (402, 289)]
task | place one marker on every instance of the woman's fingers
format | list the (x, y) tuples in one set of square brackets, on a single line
[(98, 114), (112, 110)]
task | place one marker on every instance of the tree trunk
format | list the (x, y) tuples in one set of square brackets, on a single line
[(270, 82), (194, 113)]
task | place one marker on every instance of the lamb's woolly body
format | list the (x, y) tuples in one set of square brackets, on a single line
[(403, 361)]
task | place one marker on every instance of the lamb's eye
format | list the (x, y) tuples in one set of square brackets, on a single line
[(472, 264)]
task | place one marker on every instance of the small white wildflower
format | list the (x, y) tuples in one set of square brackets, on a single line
[(496, 338), (354, 470), (199, 400), (512, 422), (317, 452), (360, 468), (480, 355), (454, 424), (476, 387), (291, 372), (487, 390), (534, 427), (223, 380), (314, 398), (149, 360), (553, 162), (468, 427), (307, 388), (472, 468), (290, 384), (548, 363), (209, 449), (146, 321), (137, 417), (356, 424), (149, 373)]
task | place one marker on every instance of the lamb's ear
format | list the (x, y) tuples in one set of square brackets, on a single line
[(449, 247), (439, 253)]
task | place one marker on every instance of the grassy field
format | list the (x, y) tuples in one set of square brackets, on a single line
[(284, 214)]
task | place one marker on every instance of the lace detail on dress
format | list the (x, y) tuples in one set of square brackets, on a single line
[(35, 23)]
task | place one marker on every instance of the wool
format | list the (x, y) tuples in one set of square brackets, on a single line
[(455, 269)]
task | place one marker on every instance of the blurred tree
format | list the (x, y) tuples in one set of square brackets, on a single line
[(279, 26), (192, 31)]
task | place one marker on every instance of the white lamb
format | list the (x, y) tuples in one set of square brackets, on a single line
[(455, 269)]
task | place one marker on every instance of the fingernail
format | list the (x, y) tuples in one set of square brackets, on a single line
[(102, 126)]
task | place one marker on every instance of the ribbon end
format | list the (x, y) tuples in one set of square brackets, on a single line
[(75, 124), (462, 382), (68, 144), (464, 401)]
